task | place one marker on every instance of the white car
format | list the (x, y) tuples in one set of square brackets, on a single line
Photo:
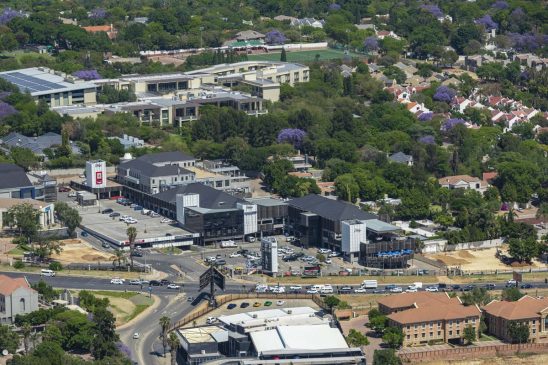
[(334, 254), (411, 290), (165, 220), (116, 281), (72, 194), (324, 250), (173, 286), (135, 282), (295, 287), (235, 254), (211, 259), (211, 320), (432, 289), (131, 221), (154, 214), (396, 290), (280, 302), (311, 291), (360, 291), (328, 261), (136, 335), (278, 290)]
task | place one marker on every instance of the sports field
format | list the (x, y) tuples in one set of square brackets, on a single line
[(303, 56)]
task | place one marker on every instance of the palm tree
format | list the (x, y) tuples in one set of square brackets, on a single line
[(164, 325), (119, 257), (173, 343), (131, 235), (26, 331)]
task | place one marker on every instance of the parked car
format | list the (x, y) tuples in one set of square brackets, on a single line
[(64, 189), (72, 194), (256, 304), (154, 283), (220, 262), (280, 302), (312, 291), (165, 282), (244, 305), (360, 291), (397, 289), (107, 211), (295, 287), (432, 289), (526, 286), (268, 303), (235, 254), (211, 320), (136, 253)]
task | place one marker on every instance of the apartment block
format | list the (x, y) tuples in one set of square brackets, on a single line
[(426, 317), (529, 310)]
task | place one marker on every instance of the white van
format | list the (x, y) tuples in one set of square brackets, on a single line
[(316, 287), (47, 272), (370, 284)]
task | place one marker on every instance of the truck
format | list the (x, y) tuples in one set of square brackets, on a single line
[(417, 285), (228, 243), (370, 284)]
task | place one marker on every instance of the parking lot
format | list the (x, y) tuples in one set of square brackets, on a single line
[(148, 227)]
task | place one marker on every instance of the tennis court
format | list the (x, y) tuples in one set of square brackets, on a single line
[(303, 56)]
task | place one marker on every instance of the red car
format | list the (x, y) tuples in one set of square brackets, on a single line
[(64, 189)]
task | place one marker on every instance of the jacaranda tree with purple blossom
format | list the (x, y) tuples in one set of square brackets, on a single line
[(275, 37), (500, 4), (487, 22), (6, 110), (87, 74), (124, 349), (8, 14), (433, 9), (371, 44), (98, 13), (293, 136), (528, 41), (425, 117), (427, 140), (451, 123), (444, 93)]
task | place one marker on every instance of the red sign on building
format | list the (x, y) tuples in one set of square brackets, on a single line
[(98, 177)]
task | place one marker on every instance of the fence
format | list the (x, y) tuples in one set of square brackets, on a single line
[(473, 352), (441, 245), (231, 297)]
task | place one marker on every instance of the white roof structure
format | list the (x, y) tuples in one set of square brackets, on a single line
[(298, 338), (267, 319)]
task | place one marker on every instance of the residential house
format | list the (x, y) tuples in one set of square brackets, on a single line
[(283, 18), (529, 310), (400, 157), (111, 32), (249, 35), (16, 183), (407, 69), (463, 182), (36, 144), (16, 297), (308, 22), (426, 317), (381, 34)]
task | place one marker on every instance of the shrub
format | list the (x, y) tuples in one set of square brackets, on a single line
[(55, 266), (18, 264)]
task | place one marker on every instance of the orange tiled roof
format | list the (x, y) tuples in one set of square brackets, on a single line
[(454, 310), (97, 28), (9, 285), (455, 179), (526, 307)]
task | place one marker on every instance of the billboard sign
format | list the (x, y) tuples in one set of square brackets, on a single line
[(99, 177), (218, 279), (205, 279)]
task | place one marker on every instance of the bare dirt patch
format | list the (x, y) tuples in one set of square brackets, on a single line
[(78, 251), (121, 308), (477, 260), (510, 360)]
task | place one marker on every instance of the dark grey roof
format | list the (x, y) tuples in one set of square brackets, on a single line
[(210, 198), (13, 176), (148, 169), (35, 144), (401, 157), (165, 157), (335, 210)]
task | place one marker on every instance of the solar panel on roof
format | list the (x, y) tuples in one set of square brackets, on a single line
[(30, 83)]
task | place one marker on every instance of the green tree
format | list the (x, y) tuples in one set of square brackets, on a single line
[(469, 334), (511, 294), (69, 216), (393, 337), (131, 233), (378, 323), (24, 157), (477, 296), (283, 56), (105, 336), (26, 218), (52, 333), (356, 339), (173, 342), (46, 291), (331, 301), (8, 339), (26, 331), (524, 249), (119, 258), (386, 357), (165, 322), (518, 332), (347, 188)]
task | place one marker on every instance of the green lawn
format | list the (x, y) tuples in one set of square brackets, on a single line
[(303, 56), (114, 294), (484, 337)]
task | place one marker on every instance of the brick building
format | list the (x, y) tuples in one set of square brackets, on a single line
[(427, 317), (533, 311)]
